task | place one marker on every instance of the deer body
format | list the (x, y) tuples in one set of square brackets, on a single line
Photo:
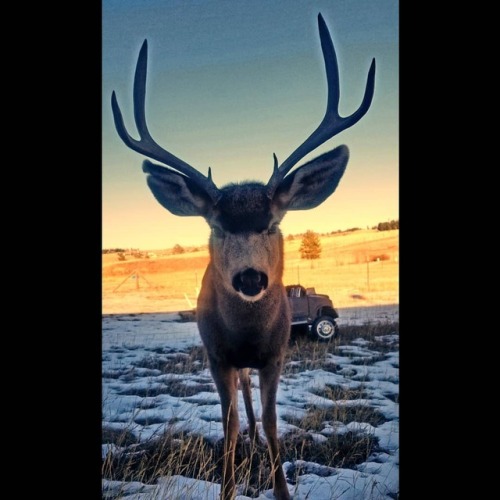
[(239, 335), (231, 334), (243, 312)]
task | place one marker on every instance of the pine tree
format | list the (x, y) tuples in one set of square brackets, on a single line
[(310, 247)]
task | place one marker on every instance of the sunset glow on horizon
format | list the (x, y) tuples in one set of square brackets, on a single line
[(229, 83)]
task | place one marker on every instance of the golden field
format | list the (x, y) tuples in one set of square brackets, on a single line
[(356, 269)]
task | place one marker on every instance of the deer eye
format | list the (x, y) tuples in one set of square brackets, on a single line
[(273, 229), (217, 232)]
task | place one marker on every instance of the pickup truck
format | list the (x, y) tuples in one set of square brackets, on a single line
[(313, 310)]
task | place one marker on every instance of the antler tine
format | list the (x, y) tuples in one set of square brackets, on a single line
[(332, 122), (146, 145)]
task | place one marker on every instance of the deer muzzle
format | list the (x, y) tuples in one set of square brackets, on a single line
[(250, 282)]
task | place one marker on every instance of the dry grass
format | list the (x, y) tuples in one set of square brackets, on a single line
[(306, 355), (192, 455), (347, 271), (196, 457), (193, 361)]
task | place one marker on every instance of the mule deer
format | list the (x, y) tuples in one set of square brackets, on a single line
[(242, 311)]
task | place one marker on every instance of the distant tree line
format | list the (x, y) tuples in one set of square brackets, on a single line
[(143, 254), (310, 248), (350, 230), (113, 250), (291, 237), (387, 226)]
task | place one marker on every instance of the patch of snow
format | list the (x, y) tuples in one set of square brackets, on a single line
[(137, 399)]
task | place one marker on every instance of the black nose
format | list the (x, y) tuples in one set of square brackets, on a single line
[(250, 282)]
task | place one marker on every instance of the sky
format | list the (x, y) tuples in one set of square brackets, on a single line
[(129, 339), (229, 83)]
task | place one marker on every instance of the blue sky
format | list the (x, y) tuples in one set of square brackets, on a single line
[(231, 82)]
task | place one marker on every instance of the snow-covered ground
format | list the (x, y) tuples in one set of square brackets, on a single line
[(136, 398)]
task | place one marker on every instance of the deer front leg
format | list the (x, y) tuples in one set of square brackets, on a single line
[(246, 390), (226, 380), (269, 379)]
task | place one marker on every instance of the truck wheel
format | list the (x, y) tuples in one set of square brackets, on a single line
[(324, 328)]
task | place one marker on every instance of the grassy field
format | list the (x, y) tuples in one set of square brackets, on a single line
[(359, 268)]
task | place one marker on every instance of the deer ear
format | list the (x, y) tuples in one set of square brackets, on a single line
[(176, 192), (312, 183)]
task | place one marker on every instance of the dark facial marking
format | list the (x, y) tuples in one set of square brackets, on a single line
[(244, 208)]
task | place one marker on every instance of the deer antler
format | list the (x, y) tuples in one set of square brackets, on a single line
[(146, 145), (332, 122)]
